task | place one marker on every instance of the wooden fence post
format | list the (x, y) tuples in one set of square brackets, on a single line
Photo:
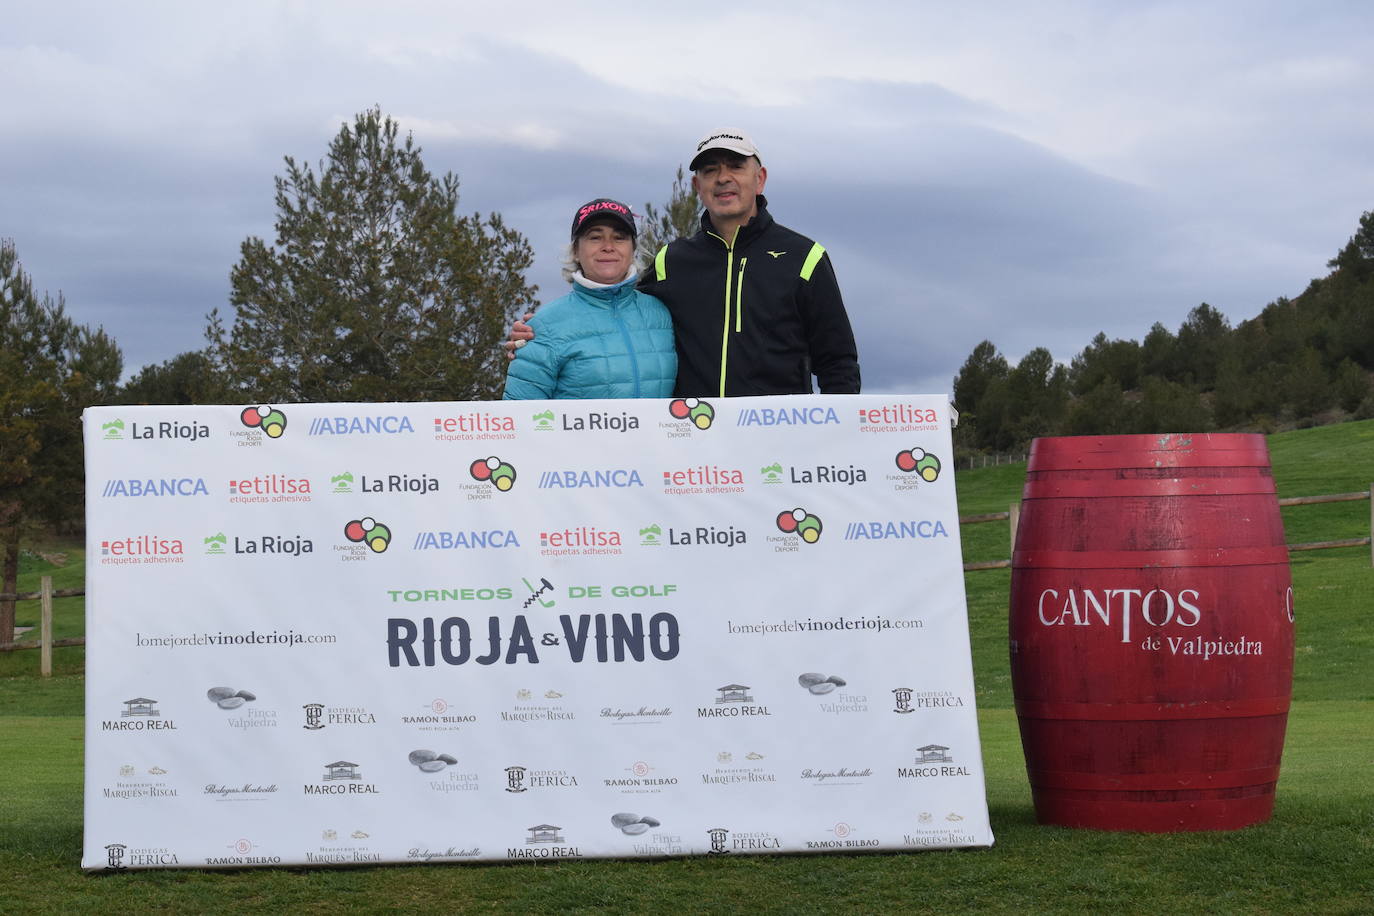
[(45, 630)]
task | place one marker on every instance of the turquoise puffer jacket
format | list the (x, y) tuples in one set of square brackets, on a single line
[(613, 342)]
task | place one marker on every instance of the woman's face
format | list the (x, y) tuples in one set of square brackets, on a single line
[(604, 253)]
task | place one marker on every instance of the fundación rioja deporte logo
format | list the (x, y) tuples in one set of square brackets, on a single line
[(368, 531), (801, 523), (500, 474), (697, 412), (919, 461), (266, 418)]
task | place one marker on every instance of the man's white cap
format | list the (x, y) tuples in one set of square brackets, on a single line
[(736, 141)]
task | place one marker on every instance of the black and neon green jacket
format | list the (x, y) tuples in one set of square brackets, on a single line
[(759, 314)]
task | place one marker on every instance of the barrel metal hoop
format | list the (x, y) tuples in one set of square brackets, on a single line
[(1164, 712), (1146, 782), (1150, 559), (1055, 488)]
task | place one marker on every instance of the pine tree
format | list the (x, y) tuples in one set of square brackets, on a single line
[(376, 289)]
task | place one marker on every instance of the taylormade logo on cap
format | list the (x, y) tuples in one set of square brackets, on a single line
[(721, 137), (735, 141)]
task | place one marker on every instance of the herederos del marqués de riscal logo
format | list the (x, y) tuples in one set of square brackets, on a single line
[(269, 419), (920, 461), (369, 531), (698, 412), (801, 523), (498, 473)]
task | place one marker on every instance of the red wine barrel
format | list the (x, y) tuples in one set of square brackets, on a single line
[(1151, 632)]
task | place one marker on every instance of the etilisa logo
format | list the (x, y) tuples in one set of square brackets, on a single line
[(803, 524), (141, 548), (894, 418), (500, 474), (270, 420), (697, 412), (920, 462), (368, 531), (478, 424)]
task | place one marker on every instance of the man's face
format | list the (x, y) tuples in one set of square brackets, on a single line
[(727, 183)]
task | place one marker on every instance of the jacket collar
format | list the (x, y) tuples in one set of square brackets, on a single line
[(750, 230), (607, 296)]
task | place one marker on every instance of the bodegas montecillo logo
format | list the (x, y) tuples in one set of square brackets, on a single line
[(370, 532), (270, 420)]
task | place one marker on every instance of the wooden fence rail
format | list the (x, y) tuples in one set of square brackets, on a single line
[(1013, 514), (46, 644)]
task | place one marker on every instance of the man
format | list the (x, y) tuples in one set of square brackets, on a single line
[(756, 308)]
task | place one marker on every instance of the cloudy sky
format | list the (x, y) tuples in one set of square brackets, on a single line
[(1025, 173)]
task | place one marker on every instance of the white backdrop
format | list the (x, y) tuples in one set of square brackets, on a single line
[(343, 633)]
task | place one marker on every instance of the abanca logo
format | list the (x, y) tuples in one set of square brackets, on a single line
[(370, 532), (698, 412), (270, 420), (572, 480), (164, 486)]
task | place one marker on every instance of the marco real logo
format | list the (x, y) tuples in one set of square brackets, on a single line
[(270, 420), (368, 531)]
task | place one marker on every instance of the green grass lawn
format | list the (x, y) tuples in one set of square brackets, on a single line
[(1315, 856)]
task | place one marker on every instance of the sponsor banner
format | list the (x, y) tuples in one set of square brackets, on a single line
[(502, 631)]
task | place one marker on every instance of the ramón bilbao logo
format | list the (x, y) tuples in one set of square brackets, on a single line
[(803, 524), (500, 474), (270, 420), (368, 531), (697, 412)]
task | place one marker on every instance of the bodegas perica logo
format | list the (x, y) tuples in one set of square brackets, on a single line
[(269, 419), (698, 412)]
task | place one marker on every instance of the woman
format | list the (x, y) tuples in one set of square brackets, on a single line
[(604, 339)]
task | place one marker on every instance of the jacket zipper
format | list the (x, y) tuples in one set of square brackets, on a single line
[(629, 346), (725, 326), (739, 295)]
